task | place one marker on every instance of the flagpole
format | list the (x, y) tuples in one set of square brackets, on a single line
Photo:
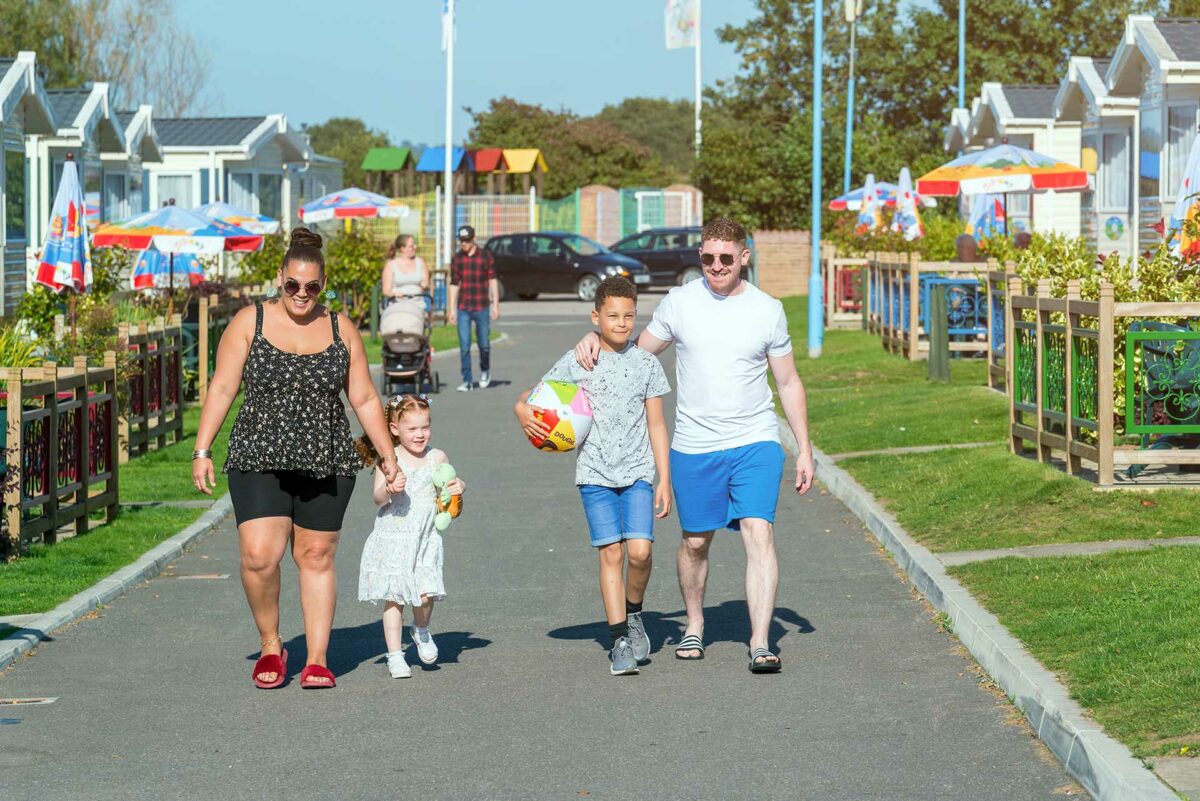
[(699, 36), (448, 189)]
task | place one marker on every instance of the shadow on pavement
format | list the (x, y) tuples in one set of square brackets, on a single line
[(352, 646), (728, 622)]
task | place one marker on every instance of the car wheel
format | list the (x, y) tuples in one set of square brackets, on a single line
[(689, 274), (527, 295), (585, 290)]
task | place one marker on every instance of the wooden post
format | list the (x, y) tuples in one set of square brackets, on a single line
[(1043, 292), (50, 401), (114, 447), (12, 493), (202, 346), (939, 338), (1104, 386), (123, 418), (914, 306), (1010, 361), (1072, 461), (991, 345), (865, 296), (176, 375)]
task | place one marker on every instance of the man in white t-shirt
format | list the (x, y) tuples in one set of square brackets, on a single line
[(726, 458)]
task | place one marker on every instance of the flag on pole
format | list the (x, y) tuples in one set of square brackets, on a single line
[(447, 25), (681, 17)]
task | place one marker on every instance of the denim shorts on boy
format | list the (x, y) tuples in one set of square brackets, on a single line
[(618, 513), (718, 489)]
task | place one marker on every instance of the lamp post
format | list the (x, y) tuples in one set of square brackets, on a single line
[(853, 10), (816, 306), (962, 53)]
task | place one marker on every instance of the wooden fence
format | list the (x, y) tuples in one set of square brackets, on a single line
[(155, 386), (214, 313), (61, 446), (997, 339), (844, 283), (1064, 385), (899, 288)]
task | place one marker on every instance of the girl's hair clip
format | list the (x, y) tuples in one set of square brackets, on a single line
[(399, 398)]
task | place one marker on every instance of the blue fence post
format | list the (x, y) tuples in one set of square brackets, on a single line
[(816, 306)]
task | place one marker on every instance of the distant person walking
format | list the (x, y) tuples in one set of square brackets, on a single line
[(292, 461), (726, 460), (474, 299), (405, 273)]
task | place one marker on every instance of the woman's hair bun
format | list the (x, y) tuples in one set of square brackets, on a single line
[(303, 237)]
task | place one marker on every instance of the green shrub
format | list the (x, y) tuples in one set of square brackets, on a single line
[(936, 245), (261, 266), (17, 349), (37, 310), (353, 262)]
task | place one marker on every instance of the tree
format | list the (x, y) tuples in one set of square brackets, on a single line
[(664, 127), (136, 46), (348, 139), (578, 151)]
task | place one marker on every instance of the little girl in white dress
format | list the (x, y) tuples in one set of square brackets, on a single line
[(402, 558)]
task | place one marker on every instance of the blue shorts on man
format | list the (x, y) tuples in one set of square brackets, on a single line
[(718, 489)]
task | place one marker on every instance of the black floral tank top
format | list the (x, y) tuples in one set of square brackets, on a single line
[(292, 417)]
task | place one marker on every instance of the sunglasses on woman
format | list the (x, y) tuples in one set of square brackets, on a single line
[(707, 259), (292, 287)]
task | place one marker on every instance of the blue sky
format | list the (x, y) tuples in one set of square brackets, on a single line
[(382, 61)]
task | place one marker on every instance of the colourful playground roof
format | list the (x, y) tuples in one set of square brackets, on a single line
[(434, 160), (387, 159), (488, 159), (523, 160)]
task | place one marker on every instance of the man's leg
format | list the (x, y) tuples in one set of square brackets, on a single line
[(464, 344), (483, 339), (762, 577), (692, 565)]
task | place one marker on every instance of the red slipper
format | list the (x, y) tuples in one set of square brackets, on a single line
[(270, 663), (311, 672)]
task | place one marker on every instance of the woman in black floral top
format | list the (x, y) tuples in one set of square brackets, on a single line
[(291, 460)]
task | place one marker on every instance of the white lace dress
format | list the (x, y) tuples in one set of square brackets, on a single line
[(402, 557)]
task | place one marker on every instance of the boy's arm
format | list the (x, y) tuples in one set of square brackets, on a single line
[(656, 424), (531, 424)]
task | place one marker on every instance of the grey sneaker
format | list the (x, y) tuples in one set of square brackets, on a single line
[(638, 638), (465, 386), (623, 661), (485, 379)]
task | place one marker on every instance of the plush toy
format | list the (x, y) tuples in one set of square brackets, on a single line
[(449, 506)]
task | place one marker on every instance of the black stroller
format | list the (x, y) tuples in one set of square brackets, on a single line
[(406, 326)]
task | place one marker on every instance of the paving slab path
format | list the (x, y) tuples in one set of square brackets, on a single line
[(155, 699)]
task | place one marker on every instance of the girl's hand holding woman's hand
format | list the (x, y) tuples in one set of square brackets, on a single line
[(394, 475)]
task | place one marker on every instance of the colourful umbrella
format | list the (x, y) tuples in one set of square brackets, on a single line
[(157, 270), (907, 221), (254, 223), (1187, 208), (869, 218), (175, 230), (66, 261), (986, 218), (351, 202), (884, 191), (1002, 169)]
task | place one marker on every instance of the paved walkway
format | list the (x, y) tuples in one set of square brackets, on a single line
[(874, 702)]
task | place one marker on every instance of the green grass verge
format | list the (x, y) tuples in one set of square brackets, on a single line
[(860, 397), (46, 575), (166, 475), (1119, 628), (444, 337), (974, 498)]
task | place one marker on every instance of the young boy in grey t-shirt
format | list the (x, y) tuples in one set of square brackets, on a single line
[(617, 462)]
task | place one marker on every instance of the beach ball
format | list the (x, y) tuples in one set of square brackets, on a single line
[(567, 410)]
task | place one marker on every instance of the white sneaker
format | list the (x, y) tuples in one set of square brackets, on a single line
[(397, 666), (485, 378), (464, 386), (427, 649)]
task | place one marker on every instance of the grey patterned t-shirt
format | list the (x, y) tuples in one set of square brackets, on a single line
[(617, 451)]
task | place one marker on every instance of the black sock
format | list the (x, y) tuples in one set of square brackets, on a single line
[(631, 608), (618, 630)]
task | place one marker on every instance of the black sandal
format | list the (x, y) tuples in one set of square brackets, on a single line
[(690, 643), (764, 666)]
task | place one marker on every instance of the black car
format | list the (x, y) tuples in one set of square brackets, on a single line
[(671, 254), (530, 264)]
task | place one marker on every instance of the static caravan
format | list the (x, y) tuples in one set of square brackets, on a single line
[(124, 184), (1024, 116), (1158, 62), (1108, 219), (24, 113), (249, 162)]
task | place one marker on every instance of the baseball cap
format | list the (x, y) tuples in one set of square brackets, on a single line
[(466, 233)]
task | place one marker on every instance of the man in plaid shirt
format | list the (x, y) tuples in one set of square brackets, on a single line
[(474, 298)]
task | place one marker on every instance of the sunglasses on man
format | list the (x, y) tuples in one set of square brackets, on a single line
[(727, 259), (292, 287)]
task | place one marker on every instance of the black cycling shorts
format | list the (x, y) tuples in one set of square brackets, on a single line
[(318, 504)]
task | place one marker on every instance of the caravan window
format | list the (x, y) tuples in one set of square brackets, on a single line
[(1114, 173), (1181, 131), (14, 195)]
